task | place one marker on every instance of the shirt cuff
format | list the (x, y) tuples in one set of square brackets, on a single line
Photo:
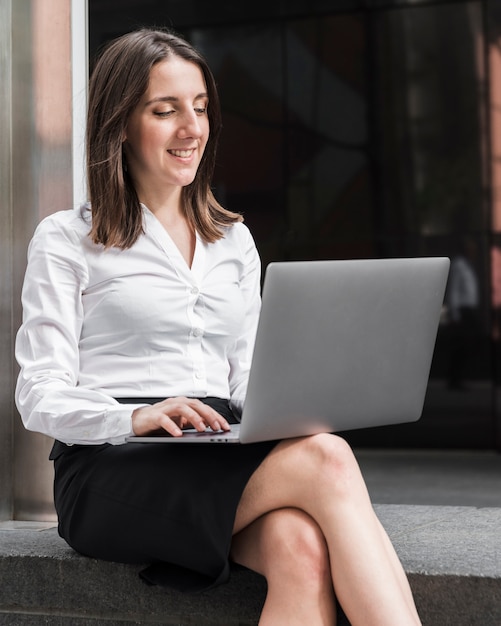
[(118, 423)]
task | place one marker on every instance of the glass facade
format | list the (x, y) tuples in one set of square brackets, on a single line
[(364, 129)]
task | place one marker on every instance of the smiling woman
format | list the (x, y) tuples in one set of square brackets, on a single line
[(152, 66), (164, 143), (166, 134), (140, 315)]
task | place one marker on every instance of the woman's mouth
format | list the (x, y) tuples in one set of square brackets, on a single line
[(183, 154)]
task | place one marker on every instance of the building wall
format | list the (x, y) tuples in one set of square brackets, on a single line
[(36, 179), (6, 287), (363, 129), (367, 130)]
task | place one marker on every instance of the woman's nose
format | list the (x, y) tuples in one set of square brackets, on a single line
[(190, 125)]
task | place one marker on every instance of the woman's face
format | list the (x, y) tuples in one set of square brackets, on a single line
[(167, 133)]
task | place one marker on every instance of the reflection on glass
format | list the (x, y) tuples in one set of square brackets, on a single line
[(462, 313), (360, 131)]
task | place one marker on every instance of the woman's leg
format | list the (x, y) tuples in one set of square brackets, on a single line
[(320, 476), (288, 548)]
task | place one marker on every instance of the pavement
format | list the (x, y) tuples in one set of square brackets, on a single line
[(432, 477), (441, 509)]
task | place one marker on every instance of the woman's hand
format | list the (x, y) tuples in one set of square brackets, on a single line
[(174, 414)]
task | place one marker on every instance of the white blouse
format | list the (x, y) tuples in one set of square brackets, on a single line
[(100, 324)]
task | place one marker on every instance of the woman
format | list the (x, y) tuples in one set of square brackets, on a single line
[(140, 312)]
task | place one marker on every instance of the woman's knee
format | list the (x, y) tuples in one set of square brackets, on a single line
[(300, 473), (333, 461), (296, 549)]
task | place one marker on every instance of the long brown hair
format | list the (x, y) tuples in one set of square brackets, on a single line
[(118, 82)]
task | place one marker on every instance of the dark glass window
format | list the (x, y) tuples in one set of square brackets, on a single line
[(365, 129)]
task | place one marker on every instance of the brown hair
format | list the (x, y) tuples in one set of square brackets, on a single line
[(118, 82)]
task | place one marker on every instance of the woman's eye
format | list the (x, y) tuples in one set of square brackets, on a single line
[(163, 113), (200, 110)]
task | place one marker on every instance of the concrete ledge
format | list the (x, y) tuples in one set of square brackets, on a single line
[(451, 554)]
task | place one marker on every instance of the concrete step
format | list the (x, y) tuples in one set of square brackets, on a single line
[(452, 556)]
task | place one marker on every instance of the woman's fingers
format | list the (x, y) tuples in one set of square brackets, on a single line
[(203, 415), (174, 414), (195, 413), (150, 419)]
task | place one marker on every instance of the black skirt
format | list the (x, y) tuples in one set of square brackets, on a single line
[(169, 506)]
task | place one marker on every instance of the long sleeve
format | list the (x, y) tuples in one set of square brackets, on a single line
[(240, 357), (47, 346), (106, 324)]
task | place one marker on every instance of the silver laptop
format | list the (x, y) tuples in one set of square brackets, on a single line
[(340, 345)]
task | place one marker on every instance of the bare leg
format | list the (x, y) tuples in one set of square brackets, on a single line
[(320, 476), (288, 548)]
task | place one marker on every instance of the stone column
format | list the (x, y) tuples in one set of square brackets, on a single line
[(41, 171)]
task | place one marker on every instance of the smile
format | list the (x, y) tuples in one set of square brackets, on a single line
[(181, 153)]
